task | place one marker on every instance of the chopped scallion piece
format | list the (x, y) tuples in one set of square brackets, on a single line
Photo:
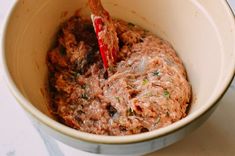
[(166, 94), (156, 73), (145, 81), (85, 96)]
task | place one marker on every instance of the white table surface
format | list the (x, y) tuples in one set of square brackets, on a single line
[(19, 138)]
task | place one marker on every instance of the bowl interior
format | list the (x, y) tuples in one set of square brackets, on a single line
[(200, 34)]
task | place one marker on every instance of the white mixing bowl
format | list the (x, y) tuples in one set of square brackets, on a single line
[(201, 31)]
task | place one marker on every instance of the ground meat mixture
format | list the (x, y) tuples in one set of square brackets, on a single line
[(147, 89)]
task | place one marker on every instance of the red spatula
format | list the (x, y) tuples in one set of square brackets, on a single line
[(105, 32)]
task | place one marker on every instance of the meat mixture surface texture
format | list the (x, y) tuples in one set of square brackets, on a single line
[(147, 89)]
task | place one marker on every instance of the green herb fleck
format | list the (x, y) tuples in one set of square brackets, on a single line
[(166, 94), (117, 98), (145, 81), (85, 96), (130, 112), (156, 73), (62, 51)]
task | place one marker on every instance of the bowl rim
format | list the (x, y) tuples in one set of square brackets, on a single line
[(93, 138)]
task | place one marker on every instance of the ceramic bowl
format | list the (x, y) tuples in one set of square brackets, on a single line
[(202, 32)]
